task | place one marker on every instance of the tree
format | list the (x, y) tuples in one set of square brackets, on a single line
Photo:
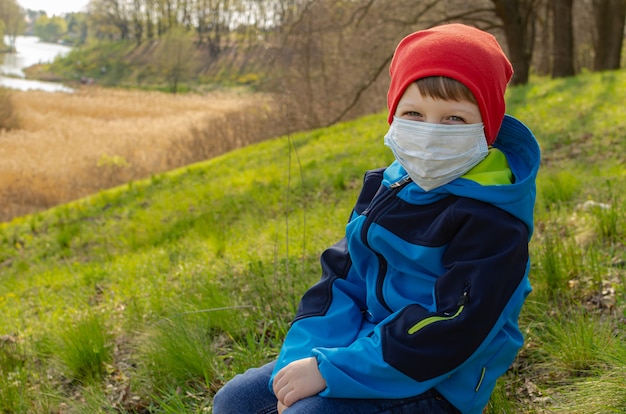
[(563, 39), (176, 56), (215, 17), (12, 17), (77, 28), (50, 29), (109, 19), (609, 16), (138, 22), (334, 56), (518, 19)]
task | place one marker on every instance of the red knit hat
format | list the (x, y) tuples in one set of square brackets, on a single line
[(466, 54)]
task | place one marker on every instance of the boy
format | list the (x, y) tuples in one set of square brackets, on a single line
[(417, 307)]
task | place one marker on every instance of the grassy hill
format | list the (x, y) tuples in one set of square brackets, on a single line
[(146, 298)]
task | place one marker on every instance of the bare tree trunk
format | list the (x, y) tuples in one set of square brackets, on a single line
[(149, 12), (541, 60), (609, 18), (518, 18), (563, 46), (137, 21)]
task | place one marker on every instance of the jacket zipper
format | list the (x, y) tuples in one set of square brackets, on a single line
[(446, 317), (376, 209)]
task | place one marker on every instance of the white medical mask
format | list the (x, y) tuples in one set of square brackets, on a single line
[(435, 154)]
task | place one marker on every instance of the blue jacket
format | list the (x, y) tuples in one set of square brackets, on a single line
[(426, 288)]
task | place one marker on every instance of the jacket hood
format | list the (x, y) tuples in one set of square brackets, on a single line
[(522, 151)]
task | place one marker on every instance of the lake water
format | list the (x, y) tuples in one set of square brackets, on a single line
[(30, 51)]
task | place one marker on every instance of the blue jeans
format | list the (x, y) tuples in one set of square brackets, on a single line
[(249, 393)]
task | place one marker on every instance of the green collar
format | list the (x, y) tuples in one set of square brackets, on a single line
[(493, 170)]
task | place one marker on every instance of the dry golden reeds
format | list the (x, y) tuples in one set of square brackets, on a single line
[(70, 145)]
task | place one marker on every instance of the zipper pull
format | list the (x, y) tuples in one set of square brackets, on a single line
[(401, 182), (465, 295)]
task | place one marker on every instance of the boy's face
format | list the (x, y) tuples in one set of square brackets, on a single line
[(415, 107)]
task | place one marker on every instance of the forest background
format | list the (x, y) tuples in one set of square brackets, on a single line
[(272, 66)]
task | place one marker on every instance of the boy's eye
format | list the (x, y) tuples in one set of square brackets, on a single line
[(412, 115), (456, 119)]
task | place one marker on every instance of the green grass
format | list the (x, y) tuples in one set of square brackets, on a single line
[(148, 297), (84, 349)]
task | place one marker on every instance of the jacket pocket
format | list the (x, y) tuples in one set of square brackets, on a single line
[(444, 317)]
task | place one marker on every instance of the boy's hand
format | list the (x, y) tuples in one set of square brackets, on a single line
[(298, 380), (280, 407)]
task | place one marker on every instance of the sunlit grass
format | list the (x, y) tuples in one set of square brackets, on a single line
[(602, 392), (85, 349), (13, 377), (577, 342), (602, 395), (558, 188), (502, 401)]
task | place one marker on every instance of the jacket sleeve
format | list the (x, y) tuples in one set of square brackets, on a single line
[(415, 348), (330, 312)]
